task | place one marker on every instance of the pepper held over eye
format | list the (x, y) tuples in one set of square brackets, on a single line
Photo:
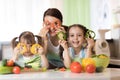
[(61, 35), (22, 47), (34, 48), (90, 34)]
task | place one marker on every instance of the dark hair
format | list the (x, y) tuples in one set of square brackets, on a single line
[(53, 12), (28, 36), (79, 26)]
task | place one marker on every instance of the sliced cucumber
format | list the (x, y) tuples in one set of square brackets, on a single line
[(5, 70)]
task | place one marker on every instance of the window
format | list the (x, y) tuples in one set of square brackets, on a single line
[(101, 17), (17, 16)]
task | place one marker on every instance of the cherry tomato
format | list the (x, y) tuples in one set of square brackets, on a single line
[(10, 63), (16, 70), (62, 69), (76, 67), (90, 68)]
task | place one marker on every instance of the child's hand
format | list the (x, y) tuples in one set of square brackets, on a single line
[(40, 50), (90, 42), (16, 50)]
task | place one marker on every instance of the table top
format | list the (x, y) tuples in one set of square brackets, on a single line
[(108, 74)]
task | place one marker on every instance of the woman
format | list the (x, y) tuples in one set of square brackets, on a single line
[(52, 24)]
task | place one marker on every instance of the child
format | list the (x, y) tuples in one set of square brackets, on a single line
[(29, 52), (77, 39)]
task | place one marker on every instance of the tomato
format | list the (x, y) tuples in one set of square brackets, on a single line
[(76, 67), (10, 63), (16, 70), (90, 68), (62, 69), (87, 61)]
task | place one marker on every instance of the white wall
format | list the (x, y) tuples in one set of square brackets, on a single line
[(17, 16)]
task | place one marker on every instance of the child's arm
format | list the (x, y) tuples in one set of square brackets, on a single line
[(44, 61), (16, 52), (66, 57), (90, 47)]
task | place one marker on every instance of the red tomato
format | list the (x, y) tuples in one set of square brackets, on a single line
[(16, 70), (76, 67), (10, 63), (90, 68), (62, 69)]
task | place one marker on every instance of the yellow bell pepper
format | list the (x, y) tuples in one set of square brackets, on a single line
[(34, 48), (22, 47)]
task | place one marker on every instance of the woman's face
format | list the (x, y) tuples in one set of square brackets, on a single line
[(53, 24), (76, 37)]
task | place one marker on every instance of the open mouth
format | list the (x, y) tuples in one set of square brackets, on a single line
[(75, 42)]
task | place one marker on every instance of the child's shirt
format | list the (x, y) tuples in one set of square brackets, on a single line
[(79, 56), (32, 62)]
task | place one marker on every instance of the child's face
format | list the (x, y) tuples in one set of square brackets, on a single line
[(53, 24), (28, 46), (76, 37)]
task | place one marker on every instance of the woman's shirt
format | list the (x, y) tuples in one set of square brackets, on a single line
[(53, 54)]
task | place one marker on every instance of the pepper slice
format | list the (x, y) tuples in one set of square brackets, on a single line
[(61, 35), (22, 47), (90, 34), (34, 48)]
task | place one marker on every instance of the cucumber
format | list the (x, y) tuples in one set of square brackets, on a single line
[(99, 69), (3, 62), (5, 70)]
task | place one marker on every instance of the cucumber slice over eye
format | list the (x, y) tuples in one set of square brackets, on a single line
[(61, 35), (90, 34)]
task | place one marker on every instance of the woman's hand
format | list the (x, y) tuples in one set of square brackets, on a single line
[(43, 32), (61, 29), (63, 43)]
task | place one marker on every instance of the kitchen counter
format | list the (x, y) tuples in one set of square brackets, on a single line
[(108, 74)]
